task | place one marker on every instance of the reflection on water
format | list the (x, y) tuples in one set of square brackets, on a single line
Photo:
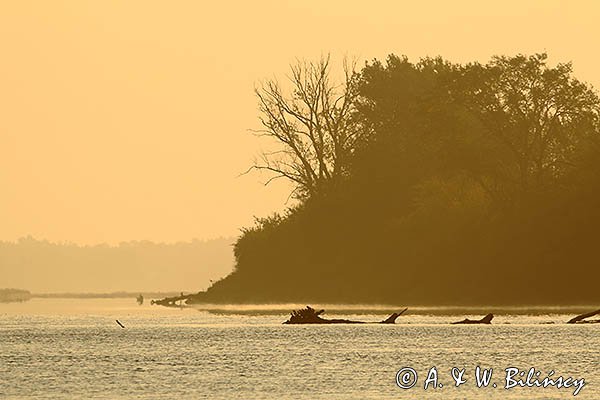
[(65, 348)]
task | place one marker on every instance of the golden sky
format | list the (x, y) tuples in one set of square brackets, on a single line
[(124, 120)]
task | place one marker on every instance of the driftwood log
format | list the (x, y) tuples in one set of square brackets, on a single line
[(172, 301), (581, 319), (485, 320), (309, 315)]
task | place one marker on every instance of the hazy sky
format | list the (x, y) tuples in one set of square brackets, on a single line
[(126, 120)]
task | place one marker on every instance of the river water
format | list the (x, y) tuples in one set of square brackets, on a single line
[(72, 348)]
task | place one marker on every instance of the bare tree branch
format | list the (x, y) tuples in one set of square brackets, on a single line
[(312, 125)]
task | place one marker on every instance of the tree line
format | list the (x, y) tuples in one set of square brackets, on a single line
[(429, 182), (46, 267)]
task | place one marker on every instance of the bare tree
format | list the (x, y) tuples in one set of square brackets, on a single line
[(313, 126)]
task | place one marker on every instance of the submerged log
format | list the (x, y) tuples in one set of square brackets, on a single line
[(392, 318), (172, 301), (485, 320), (580, 319), (309, 315)]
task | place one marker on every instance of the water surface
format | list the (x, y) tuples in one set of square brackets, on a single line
[(72, 348)]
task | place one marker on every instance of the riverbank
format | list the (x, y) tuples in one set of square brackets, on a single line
[(20, 295), (14, 295)]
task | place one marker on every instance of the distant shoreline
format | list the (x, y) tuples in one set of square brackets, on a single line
[(20, 295), (11, 295), (332, 307), (109, 295)]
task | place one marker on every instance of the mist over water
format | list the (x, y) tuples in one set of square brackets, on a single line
[(65, 348), (41, 266)]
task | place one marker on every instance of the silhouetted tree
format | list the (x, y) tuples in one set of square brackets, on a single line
[(313, 126), (475, 183), (540, 114)]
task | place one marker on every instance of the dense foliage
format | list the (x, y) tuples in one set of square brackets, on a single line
[(470, 184)]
